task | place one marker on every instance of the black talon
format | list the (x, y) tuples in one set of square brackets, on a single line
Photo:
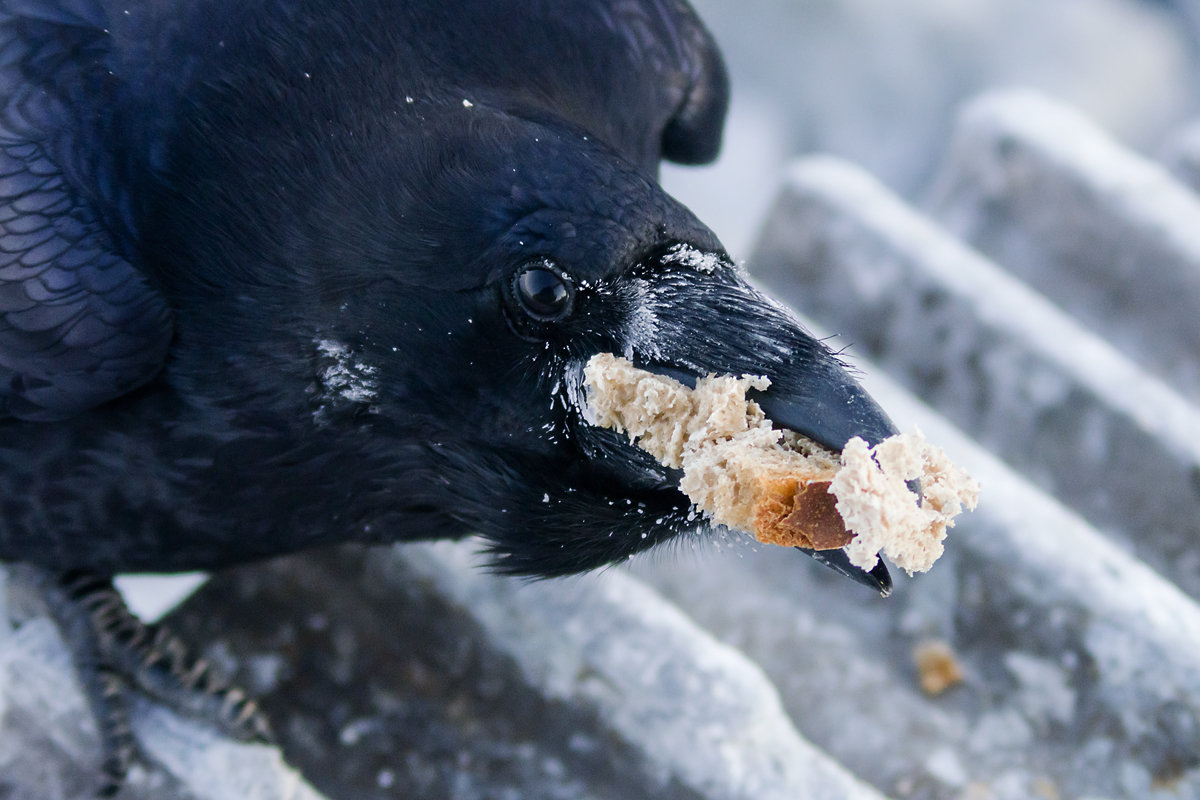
[(160, 665)]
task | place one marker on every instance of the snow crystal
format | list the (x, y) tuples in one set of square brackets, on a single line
[(688, 256), (347, 378)]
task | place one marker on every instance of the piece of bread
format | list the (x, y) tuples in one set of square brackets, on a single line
[(785, 489)]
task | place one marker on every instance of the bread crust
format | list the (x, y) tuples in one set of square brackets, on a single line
[(797, 513)]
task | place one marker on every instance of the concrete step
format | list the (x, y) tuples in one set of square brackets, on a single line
[(412, 672), (1109, 235)]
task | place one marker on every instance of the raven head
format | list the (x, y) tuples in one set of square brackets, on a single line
[(571, 252)]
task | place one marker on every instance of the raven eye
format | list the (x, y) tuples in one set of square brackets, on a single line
[(544, 294)]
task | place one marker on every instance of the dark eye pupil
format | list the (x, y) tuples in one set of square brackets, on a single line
[(543, 292)]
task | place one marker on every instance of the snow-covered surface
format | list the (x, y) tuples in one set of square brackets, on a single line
[(48, 745), (152, 596), (701, 713), (880, 83), (422, 676), (1109, 235)]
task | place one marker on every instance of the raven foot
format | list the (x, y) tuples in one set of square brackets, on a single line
[(115, 653)]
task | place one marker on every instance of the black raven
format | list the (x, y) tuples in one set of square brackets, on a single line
[(282, 273)]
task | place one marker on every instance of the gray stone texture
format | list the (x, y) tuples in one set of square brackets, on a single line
[(413, 673), (1108, 235)]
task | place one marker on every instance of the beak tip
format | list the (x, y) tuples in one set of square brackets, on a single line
[(878, 578), (883, 579)]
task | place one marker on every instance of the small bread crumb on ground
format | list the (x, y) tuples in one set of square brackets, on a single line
[(1047, 789), (937, 667), (785, 489)]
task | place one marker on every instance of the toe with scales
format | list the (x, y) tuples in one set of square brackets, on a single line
[(115, 653)]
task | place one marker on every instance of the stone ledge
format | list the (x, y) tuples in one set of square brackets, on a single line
[(1110, 236)]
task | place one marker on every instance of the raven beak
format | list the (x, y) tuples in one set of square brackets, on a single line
[(725, 326), (878, 578), (834, 413), (831, 410)]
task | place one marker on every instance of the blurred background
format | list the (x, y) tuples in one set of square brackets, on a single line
[(879, 83)]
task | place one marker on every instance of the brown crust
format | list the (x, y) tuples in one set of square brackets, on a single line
[(795, 513)]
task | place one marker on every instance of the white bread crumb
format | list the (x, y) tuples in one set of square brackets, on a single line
[(885, 516), (745, 474)]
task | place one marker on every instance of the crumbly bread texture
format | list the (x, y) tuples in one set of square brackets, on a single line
[(785, 489)]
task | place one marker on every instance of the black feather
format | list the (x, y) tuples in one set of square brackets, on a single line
[(253, 253)]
